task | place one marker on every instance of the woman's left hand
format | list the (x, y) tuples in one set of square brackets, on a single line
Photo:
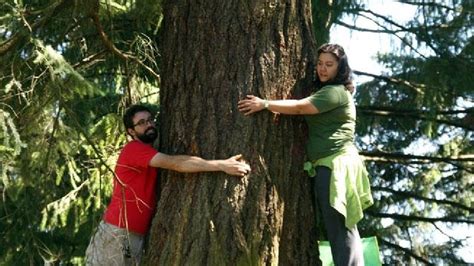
[(251, 105)]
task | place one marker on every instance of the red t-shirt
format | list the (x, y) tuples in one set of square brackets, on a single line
[(139, 181)]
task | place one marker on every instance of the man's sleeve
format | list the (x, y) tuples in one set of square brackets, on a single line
[(140, 155)]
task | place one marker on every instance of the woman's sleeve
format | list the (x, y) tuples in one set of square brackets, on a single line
[(328, 98)]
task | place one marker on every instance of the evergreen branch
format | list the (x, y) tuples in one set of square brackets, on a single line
[(451, 238), (416, 196), (461, 167), (385, 157), (9, 107), (381, 160), (414, 218), (112, 48), (429, 4), (100, 156), (396, 156), (356, 28), (33, 79), (406, 250), (51, 137), (9, 44), (403, 29), (417, 87), (412, 30), (89, 140), (66, 199), (46, 14), (416, 111), (411, 114), (384, 30), (386, 19), (353, 27), (90, 60)]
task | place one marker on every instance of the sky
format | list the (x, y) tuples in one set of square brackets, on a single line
[(362, 48)]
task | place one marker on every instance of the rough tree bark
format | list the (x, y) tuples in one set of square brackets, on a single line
[(214, 53)]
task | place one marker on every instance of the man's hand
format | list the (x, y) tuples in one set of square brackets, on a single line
[(233, 166)]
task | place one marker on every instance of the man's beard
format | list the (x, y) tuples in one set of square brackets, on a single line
[(149, 136)]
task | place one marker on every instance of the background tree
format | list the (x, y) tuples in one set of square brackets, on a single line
[(415, 129), (64, 83)]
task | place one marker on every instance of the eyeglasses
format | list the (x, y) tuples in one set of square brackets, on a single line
[(144, 122)]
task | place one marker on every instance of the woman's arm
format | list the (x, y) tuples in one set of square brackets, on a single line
[(193, 164), (254, 104)]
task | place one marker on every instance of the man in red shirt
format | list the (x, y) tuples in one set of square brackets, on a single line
[(119, 237)]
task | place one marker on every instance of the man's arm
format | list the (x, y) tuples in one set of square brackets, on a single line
[(193, 164)]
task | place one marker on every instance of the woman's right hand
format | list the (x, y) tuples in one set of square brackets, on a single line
[(251, 105)]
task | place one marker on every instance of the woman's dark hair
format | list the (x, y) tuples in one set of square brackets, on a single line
[(344, 72), (130, 113)]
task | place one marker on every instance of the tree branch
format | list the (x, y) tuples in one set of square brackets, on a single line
[(51, 136), (402, 217), (111, 46), (379, 155), (406, 250), (385, 30), (417, 87), (380, 160), (429, 4), (45, 15), (91, 143), (416, 111), (90, 60), (421, 115), (416, 196), (398, 157), (451, 238)]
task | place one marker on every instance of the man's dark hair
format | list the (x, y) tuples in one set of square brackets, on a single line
[(344, 72), (130, 113)]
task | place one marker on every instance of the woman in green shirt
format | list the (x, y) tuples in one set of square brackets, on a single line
[(342, 186)]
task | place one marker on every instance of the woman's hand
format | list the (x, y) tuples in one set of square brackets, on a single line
[(251, 105), (350, 87)]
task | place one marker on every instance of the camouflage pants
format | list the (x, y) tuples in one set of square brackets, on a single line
[(112, 245)]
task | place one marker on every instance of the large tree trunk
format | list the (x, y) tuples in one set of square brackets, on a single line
[(214, 53)]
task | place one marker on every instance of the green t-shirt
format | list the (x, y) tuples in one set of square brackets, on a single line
[(333, 127)]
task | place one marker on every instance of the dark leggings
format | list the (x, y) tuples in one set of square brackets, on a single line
[(346, 246)]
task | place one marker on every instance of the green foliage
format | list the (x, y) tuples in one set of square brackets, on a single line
[(10, 148), (419, 115), (63, 79), (63, 89), (327, 13), (310, 168), (62, 95)]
